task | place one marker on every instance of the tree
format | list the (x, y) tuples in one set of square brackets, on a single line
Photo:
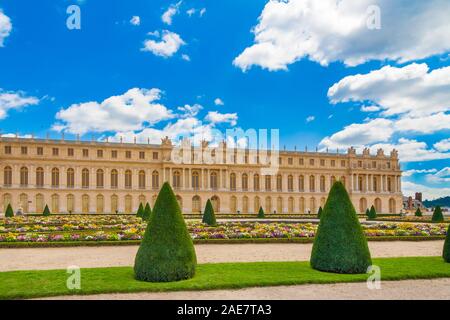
[(418, 213), (340, 245), (147, 212), (209, 216), (437, 215), (446, 253), (261, 213), (372, 213), (367, 212), (319, 213), (9, 213), (140, 212), (46, 211), (166, 252)]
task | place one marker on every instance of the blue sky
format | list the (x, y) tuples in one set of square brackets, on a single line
[(195, 65)]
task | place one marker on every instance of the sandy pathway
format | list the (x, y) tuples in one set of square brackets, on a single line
[(390, 290), (85, 257)]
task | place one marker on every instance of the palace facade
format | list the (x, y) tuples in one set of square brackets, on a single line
[(106, 177)]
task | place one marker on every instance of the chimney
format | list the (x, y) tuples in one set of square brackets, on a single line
[(418, 196)]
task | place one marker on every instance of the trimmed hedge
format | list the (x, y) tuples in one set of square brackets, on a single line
[(261, 214), (418, 213), (319, 213), (208, 215), (46, 212), (340, 244), (147, 212), (9, 213), (446, 252), (166, 252), (372, 213), (437, 215), (140, 212)]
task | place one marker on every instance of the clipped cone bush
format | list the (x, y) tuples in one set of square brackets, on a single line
[(140, 212), (147, 212), (46, 211), (418, 213), (261, 213), (367, 212), (166, 252), (437, 215), (209, 216), (340, 245), (9, 213), (372, 213), (319, 213), (446, 253)]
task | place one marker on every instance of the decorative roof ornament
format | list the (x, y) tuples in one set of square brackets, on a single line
[(166, 142)]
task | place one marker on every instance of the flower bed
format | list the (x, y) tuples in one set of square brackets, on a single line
[(408, 218)]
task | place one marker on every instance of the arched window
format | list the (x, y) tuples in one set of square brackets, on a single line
[(23, 199), (290, 205), (142, 179), (301, 183), (142, 200), (7, 176), (268, 204), (114, 179), (39, 203), (70, 203), (389, 184), (256, 205), (256, 185), (114, 204), (362, 205), (213, 180), (70, 178), (268, 182), (245, 204), (392, 207), (55, 203), (302, 205), (85, 203), (332, 180), (195, 180), (55, 178), (360, 184), (100, 204), (323, 200), (24, 176), (279, 182), (233, 181), (375, 184), (245, 182), (279, 205), (312, 206), (177, 179), (85, 179), (215, 201), (155, 180), (378, 205), (343, 181), (196, 204), (100, 178), (322, 184), (233, 204), (128, 179), (312, 183), (39, 177), (180, 202), (128, 204), (290, 183), (6, 201)]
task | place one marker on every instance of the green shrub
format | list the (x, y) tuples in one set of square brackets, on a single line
[(261, 213), (9, 213), (46, 211), (340, 245), (446, 253), (147, 212), (437, 215), (166, 252), (140, 212), (367, 212), (418, 213), (319, 213), (209, 216), (372, 213)]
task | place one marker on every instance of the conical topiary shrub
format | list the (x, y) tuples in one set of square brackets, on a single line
[(208, 216), (140, 212), (319, 213), (9, 213), (446, 253), (166, 252), (46, 211), (418, 213), (367, 212), (340, 245), (147, 212), (372, 213), (261, 213), (437, 215)]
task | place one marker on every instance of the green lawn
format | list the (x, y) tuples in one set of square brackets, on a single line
[(42, 283)]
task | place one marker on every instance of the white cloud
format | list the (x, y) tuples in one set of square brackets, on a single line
[(135, 21), (218, 102), (129, 111), (14, 101), (429, 193), (193, 11), (441, 176), (190, 12), (5, 27), (14, 135), (310, 118), (202, 12), (370, 108), (328, 30), (168, 45), (217, 117), (409, 173), (190, 111), (443, 145), (185, 57), (170, 13)]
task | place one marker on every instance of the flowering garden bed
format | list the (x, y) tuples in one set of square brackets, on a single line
[(126, 230), (411, 218)]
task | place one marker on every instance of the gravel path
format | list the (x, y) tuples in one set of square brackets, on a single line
[(85, 257), (436, 289)]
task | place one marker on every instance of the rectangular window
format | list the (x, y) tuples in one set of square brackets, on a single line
[(290, 161), (301, 161), (114, 154), (128, 154), (7, 149), (342, 163), (85, 153), (322, 162), (155, 155), (280, 160), (374, 164), (311, 162), (70, 152), (55, 152), (23, 150), (40, 151), (141, 155), (333, 163), (388, 165), (359, 164), (99, 153)]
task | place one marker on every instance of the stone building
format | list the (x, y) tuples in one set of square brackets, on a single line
[(106, 177)]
